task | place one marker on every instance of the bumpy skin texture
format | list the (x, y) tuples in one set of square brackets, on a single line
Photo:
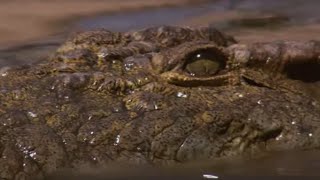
[(133, 97)]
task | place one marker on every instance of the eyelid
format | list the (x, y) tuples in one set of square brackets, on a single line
[(183, 80)]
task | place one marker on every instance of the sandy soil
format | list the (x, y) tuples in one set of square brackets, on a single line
[(24, 20)]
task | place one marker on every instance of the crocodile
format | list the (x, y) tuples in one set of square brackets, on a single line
[(161, 95)]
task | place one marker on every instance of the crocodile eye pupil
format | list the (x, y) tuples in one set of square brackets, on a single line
[(204, 63)]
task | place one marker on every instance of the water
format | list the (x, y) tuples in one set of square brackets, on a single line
[(281, 165), (297, 11), (152, 17)]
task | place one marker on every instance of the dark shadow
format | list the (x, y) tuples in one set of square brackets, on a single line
[(306, 72)]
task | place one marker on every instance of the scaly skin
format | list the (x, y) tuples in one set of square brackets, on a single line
[(144, 97)]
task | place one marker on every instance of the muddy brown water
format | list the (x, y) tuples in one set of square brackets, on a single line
[(292, 12), (276, 165), (287, 13)]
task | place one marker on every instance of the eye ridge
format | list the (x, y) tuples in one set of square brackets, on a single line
[(204, 62)]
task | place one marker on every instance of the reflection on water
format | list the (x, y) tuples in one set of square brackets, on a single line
[(297, 11), (304, 163), (300, 11), (280, 165), (29, 53), (136, 20)]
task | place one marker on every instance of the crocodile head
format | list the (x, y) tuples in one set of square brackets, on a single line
[(156, 96)]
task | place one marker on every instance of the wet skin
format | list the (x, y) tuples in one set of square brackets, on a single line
[(158, 96)]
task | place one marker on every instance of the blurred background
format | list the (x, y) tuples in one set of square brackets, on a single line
[(32, 29)]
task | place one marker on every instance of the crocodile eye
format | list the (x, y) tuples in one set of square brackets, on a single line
[(204, 63)]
